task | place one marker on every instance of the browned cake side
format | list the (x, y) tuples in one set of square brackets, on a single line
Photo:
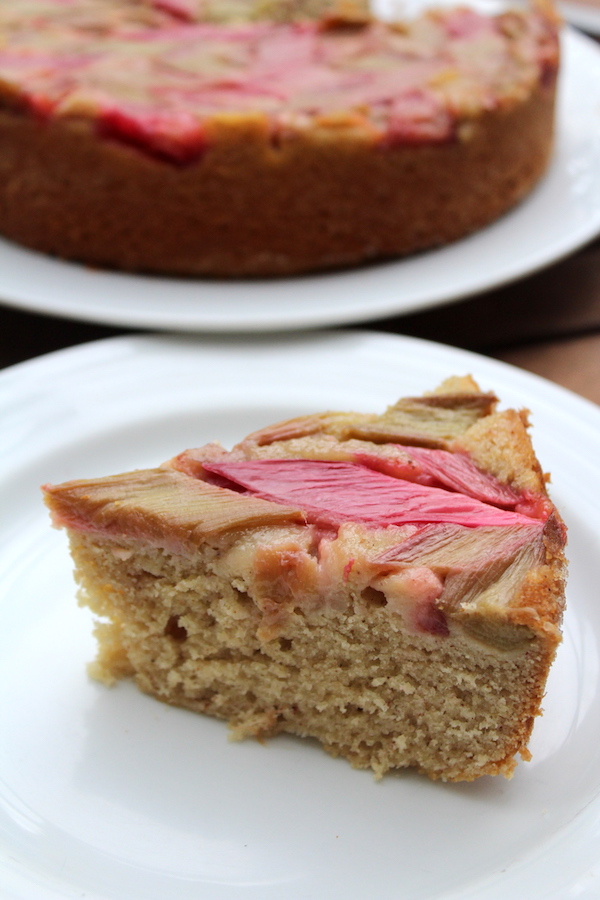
[(328, 197), (399, 645)]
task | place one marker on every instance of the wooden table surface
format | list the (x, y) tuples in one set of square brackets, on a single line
[(548, 323)]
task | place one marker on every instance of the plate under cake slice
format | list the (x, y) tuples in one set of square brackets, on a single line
[(392, 585)]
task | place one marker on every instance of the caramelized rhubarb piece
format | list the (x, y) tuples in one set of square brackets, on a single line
[(482, 573), (160, 506), (436, 468), (449, 547), (388, 458), (334, 492), (457, 472), (336, 424), (430, 421), (471, 560)]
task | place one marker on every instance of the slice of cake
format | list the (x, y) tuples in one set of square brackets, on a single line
[(265, 137), (391, 585)]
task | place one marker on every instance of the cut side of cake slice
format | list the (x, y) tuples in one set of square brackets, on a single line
[(392, 585)]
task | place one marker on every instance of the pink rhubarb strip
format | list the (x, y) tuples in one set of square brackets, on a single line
[(336, 492)]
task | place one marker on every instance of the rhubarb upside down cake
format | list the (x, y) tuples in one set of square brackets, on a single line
[(392, 585), (240, 138)]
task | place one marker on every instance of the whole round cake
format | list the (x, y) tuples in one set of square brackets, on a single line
[(199, 138)]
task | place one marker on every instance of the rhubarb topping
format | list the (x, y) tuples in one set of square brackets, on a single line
[(152, 76), (161, 506), (468, 561), (335, 492), (449, 547), (429, 553), (433, 467), (434, 420), (457, 472)]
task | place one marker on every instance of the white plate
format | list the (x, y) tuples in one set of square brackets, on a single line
[(560, 216), (109, 794), (584, 15)]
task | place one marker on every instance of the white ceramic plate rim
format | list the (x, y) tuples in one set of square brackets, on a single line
[(83, 410), (525, 240), (583, 15)]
